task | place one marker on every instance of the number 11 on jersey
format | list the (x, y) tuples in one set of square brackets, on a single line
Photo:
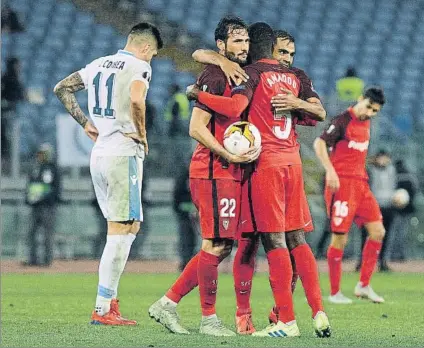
[(100, 89)]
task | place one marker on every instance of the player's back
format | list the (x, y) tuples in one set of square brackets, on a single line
[(108, 80), (267, 78)]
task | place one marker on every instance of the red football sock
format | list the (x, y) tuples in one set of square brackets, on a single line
[(308, 271), (280, 276), (207, 274), (295, 274), (369, 259), (186, 282), (243, 269), (334, 259)]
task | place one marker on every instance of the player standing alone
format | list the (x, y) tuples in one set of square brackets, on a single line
[(117, 86), (348, 196)]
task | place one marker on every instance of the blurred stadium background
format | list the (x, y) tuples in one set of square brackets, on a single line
[(382, 39)]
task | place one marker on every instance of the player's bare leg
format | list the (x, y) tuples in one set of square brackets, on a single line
[(212, 253), (243, 269), (115, 254), (370, 253), (280, 276)]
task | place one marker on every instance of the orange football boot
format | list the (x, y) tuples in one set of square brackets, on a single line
[(244, 324), (113, 317)]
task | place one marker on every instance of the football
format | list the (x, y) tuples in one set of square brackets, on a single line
[(400, 198), (240, 136)]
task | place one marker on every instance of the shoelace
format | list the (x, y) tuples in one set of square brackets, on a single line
[(270, 326), (247, 322), (172, 314), (372, 292), (217, 324)]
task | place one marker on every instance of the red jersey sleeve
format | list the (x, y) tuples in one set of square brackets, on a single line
[(336, 130), (211, 80), (248, 88), (303, 119), (306, 88)]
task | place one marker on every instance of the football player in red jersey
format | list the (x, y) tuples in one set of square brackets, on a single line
[(277, 178), (306, 113), (347, 194), (215, 185)]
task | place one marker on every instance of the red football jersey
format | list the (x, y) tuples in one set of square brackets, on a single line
[(279, 138), (348, 139), (204, 163)]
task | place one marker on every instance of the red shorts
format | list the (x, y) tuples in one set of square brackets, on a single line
[(218, 203), (274, 200), (353, 202)]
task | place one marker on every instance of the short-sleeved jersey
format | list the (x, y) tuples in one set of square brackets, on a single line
[(279, 139), (348, 139), (108, 80), (204, 163)]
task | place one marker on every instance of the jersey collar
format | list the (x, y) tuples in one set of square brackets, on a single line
[(125, 52)]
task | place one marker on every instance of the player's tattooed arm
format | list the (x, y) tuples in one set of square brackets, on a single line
[(232, 70), (65, 91)]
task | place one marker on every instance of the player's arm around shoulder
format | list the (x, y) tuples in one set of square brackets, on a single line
[(232, 70), (65, 91), (307, 103)]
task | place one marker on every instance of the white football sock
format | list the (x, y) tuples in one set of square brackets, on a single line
[(110, 270), (126, 247), (167, 302)]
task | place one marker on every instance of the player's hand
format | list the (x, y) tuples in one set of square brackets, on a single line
[(139, 139), (234, 73), (285, 101), (192, 92), (332, 180), (91, 131), (250, 156)]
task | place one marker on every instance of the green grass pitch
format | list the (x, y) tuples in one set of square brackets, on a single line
[(54, 309)]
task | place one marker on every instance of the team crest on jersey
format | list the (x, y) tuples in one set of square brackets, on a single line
[(225, 223), (337, 220)]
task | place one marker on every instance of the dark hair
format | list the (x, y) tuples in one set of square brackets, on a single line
[(351, 72), (284, 35), (147, 28), (262, 39), (226, 25), (375, 94)]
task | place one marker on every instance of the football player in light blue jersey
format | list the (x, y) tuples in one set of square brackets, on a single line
[(117, 86)]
